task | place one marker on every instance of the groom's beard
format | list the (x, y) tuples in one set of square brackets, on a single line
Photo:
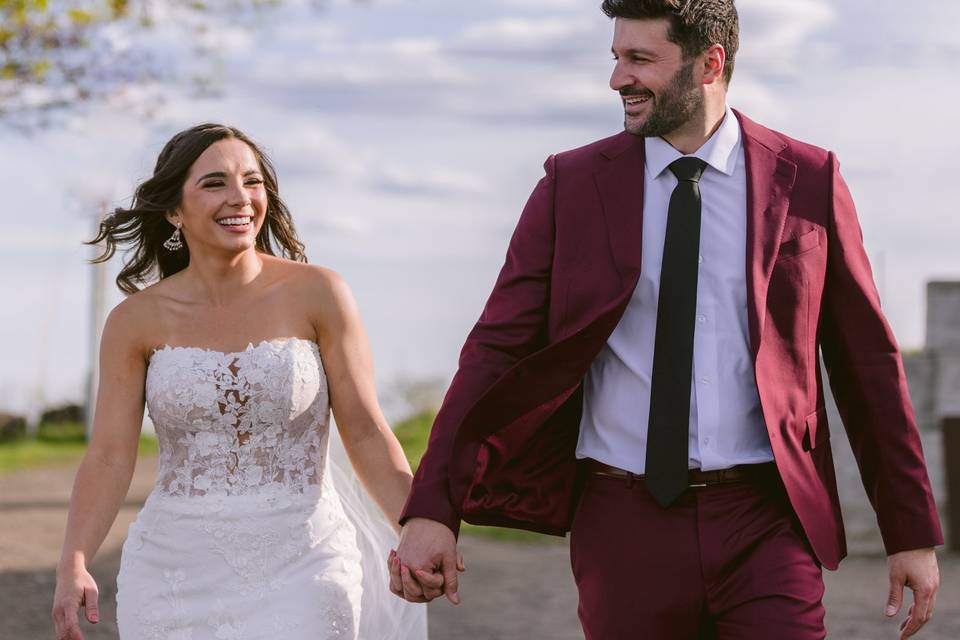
[(672, 108)]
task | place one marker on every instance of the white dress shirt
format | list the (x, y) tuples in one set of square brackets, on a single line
[(726, 424)]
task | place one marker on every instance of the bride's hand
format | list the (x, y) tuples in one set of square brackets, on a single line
[(75, 588)]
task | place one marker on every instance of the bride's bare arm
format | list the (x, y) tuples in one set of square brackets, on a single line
[(374, 451), (106, 470)]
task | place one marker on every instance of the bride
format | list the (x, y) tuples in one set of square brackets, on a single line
[(252, 530)]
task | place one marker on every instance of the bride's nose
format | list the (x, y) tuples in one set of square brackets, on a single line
[(237, 197)]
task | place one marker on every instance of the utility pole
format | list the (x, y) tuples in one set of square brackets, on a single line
[(882, 275), (98, 287)]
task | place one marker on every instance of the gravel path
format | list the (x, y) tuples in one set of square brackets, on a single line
[(511, 591)]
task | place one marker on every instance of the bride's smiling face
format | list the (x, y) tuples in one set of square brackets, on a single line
[(224, 200)]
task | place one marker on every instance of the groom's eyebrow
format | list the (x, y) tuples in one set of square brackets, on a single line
[(221, 174), (634, 52)]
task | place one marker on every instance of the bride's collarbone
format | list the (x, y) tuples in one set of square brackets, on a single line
[(170, 318)]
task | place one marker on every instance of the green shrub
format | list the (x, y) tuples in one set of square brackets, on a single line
[(12, 427), (61, 432), (413, 434), (64, 413)]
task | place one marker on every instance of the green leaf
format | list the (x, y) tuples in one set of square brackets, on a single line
[(119, 8), (80, 17), (39, 68), (9, 71)]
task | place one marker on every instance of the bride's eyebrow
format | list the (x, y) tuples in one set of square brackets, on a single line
[(221, 174)]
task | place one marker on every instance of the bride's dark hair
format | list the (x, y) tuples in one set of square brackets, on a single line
[(144, 227)]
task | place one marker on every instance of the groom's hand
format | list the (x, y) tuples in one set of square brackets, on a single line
[(918, 570), (426, 562)]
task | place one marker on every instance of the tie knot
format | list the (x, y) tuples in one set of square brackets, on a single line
[(688, 168)]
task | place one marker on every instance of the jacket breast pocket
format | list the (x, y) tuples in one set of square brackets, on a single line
[(799, 244), (816, 429)]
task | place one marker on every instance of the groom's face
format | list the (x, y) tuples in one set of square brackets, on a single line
[(658, 87)]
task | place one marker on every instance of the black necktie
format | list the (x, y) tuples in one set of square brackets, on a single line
[(669, 425)]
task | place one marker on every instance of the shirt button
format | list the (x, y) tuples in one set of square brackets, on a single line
[(706, 442), (700, 260), (704, 379), (701, 319)]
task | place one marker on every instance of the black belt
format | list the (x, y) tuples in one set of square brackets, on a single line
[(697, 477)]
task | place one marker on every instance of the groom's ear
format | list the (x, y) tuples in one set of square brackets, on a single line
[(714, 62)]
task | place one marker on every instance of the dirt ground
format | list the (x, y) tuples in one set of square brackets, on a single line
[(512, 591)]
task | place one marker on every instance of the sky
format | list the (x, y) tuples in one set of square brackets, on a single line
[(407, 135)]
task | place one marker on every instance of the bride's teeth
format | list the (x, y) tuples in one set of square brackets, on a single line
[(233, 221)]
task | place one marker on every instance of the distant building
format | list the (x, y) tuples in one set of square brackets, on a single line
[(934, 374)]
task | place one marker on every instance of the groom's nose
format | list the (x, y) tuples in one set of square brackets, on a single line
[(619, 78)]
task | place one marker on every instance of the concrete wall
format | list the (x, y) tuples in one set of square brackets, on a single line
[(943, 316), (921, 369)]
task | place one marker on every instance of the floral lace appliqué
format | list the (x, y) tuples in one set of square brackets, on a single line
[(239, 423)]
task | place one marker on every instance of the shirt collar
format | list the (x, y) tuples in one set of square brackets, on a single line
[(720, 151)]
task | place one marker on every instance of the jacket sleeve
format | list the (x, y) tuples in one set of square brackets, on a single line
[(513, 325), (868, 382)]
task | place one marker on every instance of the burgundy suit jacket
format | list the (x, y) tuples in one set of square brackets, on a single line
[(502, 449)]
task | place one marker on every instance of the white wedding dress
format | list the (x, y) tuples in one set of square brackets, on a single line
[(245, 535)]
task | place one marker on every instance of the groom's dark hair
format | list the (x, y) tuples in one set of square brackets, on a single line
[(695, 25)]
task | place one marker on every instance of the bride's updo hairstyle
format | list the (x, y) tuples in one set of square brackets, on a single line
[(143, 227)]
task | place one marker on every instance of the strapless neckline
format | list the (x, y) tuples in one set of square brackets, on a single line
[(250, 347)]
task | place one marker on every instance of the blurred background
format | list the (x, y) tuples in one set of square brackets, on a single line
[(407, 135)]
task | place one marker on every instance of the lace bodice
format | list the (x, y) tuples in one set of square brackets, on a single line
[(245, 422)]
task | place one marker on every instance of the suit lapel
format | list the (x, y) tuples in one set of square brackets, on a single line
[(621, 191), (770, 180)]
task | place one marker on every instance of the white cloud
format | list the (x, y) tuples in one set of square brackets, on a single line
[(541, 4), (427, 181), (777, 36), (518, 36)]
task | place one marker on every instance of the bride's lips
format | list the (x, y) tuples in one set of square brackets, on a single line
[(238, 229), (235, 228)]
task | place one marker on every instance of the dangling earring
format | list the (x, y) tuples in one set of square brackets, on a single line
[(173, 243)]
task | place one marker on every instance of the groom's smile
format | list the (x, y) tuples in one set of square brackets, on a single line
[(634, 102)]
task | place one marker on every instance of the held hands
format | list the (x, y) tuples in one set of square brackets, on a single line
[(918, 570), (75, 588), (426, 562)]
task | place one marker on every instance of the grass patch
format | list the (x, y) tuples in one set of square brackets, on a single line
[(413, 434), (25, 454), (60, 444)]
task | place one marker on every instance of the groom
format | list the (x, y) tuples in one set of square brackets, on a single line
[(646, 372)]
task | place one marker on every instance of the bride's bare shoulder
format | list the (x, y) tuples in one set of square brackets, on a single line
[(149, 301), (311, 278), (137, 320), (323, 291)]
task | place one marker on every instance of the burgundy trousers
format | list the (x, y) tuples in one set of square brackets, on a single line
[(724, 562)]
